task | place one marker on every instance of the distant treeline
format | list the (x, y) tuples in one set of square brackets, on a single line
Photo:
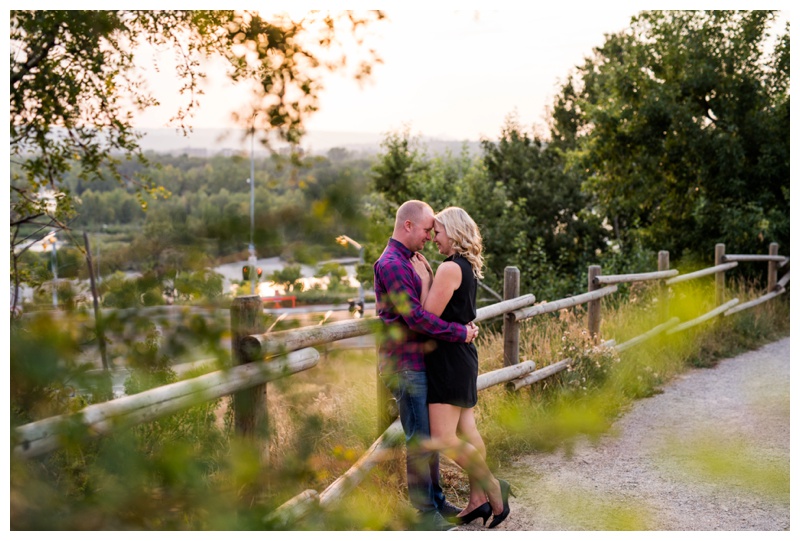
[(300, 205)]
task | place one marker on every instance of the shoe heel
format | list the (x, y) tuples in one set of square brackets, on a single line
[(505, 491), (484, 512)]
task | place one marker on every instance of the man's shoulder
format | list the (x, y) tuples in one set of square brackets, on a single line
[(390, 258), (390, 268)]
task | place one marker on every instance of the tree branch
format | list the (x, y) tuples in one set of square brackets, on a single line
[(34, 60)]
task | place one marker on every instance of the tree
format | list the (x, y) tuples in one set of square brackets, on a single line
[(533, 214), (75, 89), (682, 130), (288, 277), (394, 173), (335, 273)]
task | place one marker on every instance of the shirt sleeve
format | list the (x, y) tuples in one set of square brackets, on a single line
[(402, 291)]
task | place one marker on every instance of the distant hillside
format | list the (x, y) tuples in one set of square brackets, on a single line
[(209, 142)]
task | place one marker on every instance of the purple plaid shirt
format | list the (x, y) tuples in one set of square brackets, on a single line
[(407, 326)]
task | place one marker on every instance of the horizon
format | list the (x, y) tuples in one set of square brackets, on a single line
[(225, 139)]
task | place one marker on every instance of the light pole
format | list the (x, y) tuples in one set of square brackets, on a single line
[(252, 180), (99, 278), (51, 239), (344, 240)]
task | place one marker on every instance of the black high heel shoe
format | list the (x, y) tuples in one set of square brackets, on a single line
[(505, 491), (483, 511)]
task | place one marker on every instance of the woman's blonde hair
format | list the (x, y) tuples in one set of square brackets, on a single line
[(464, 236)]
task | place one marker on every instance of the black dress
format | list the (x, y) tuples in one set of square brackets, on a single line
[(452, 367)]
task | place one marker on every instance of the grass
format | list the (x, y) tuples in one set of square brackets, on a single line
[(194, 475)]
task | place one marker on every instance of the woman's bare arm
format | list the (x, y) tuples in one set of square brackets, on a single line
[(445, 282)]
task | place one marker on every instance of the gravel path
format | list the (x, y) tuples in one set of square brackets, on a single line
[(709, 453)]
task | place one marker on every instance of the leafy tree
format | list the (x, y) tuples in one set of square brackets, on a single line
[(95, 208), (533, 213), (121, 292), (334, 271), (682, 130), (75, 87), (394, 173), (380, 214), (440, 179), (288, 277), (200, 284)]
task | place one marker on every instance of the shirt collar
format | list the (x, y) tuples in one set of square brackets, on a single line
[(400, 247)]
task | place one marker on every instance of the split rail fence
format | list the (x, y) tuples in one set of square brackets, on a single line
[(262, 356)]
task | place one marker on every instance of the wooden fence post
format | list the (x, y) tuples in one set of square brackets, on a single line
[(250, 405), (594, 306), (510, 325), (719, 259), (663, 293), (772, 268)]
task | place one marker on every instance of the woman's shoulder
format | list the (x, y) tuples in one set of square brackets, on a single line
[(463, 263), (449, 271)]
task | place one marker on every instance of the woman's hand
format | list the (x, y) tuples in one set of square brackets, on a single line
[(425, 272), (472, 332), (421, 257), (422, 268)]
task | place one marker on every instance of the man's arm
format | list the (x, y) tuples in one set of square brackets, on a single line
[(400, 286)]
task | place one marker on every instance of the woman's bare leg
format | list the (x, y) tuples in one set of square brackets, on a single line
[(444, 420), (468, 430)]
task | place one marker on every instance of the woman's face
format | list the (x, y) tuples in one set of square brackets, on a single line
[(441, 239)]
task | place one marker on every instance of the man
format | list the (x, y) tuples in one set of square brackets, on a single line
[(402, 349)]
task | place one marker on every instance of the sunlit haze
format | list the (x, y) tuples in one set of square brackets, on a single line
[(445, 74)]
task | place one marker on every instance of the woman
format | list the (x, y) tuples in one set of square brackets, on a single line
[(452, 368)]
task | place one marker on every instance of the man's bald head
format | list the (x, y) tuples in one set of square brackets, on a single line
[(413, 224), (412, 210)]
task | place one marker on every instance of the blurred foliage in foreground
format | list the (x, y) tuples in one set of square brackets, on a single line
[(189, 471)]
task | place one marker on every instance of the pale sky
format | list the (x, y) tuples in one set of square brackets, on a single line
[(446, 73)]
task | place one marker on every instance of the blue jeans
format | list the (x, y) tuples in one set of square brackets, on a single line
[(410, 390)]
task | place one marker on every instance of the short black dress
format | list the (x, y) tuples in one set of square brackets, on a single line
[(452, 367)]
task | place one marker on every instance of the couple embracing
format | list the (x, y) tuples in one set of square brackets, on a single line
[(428, 361)]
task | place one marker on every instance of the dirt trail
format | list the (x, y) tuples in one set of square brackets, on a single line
[(645, 474)]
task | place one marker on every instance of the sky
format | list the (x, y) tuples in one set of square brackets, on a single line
[(450, 74)]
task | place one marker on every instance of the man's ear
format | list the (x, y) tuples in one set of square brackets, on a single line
[(407, 225)]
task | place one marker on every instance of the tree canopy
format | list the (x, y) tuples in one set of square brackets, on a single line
[(680, 126)]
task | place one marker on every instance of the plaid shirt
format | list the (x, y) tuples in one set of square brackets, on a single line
[(407, 326)]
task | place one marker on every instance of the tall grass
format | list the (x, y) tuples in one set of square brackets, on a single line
[(190, 472)]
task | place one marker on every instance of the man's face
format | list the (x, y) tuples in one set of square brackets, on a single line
[(421, 231)]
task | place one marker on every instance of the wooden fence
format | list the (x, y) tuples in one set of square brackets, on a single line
[(261, 356)]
